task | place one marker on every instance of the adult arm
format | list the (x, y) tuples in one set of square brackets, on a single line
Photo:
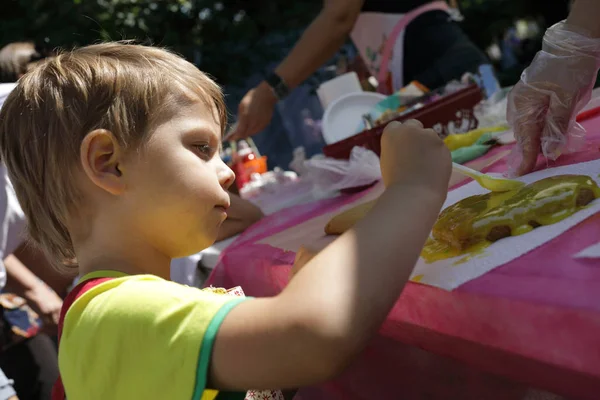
[(321, 41)]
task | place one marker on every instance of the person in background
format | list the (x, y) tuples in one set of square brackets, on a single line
[(432, 49), (27, 352), (240, 216), (27, 355), (15, 59), (543, 105)]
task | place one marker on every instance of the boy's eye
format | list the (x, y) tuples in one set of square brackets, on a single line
[(204, 149)]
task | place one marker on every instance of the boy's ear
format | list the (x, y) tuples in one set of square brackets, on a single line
[(100, 158)]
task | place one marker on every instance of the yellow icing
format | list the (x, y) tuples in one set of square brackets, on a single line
[(463, 227)]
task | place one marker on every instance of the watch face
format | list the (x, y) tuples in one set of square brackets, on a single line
[(281, 90)]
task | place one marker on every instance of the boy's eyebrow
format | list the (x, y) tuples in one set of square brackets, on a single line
[(203, 130)]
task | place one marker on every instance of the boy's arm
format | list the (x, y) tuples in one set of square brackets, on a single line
[(336, 302), (319, 43), (240, 215), (321, 40), (340, 298), (584, 14), (325, 316)]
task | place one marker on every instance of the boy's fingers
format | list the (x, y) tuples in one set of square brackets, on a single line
[(414, 122), (240, 130)]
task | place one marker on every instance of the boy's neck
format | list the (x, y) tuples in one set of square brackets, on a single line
[(107, 263), (120, 252)]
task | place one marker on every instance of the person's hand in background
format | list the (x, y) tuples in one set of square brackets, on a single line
[(240, 216), (40, 297), (47, 304), (543, 106), (254, 112), (319, 43)]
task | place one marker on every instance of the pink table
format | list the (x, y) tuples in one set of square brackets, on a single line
[(535, 320)]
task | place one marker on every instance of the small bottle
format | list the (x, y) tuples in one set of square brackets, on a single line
[(245, 153), (243, 156)]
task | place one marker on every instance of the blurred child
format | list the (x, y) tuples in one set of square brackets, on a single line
[(16, 59)]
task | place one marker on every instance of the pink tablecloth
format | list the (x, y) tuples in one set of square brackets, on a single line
[(534, 320)]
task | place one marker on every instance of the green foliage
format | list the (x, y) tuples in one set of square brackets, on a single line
[(225, 38), (486, 20), (229, 39)]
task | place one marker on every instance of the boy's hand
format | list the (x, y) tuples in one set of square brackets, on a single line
[(412, 154)]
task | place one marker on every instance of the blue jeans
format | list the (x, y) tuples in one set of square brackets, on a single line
[(290, 126)]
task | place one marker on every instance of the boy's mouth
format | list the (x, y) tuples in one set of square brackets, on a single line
[(222, 207), (222, 210)]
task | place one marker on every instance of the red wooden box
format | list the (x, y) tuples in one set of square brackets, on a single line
[(451, 114)]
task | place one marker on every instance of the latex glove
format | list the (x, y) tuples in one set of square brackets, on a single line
[(254, 112), (556, 86)]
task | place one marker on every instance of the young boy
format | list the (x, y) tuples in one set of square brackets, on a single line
[(113, 152)]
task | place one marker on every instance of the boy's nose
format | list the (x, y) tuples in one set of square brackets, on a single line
[(226, 176)]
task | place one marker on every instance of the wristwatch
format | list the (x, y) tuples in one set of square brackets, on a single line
[(278, 85)]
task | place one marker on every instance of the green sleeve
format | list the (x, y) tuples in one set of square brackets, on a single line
[(207, 346)]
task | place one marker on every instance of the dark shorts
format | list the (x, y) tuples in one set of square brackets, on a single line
[(26, 356), (18, 321)]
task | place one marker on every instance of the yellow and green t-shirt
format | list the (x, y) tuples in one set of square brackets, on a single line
[(140, 337)]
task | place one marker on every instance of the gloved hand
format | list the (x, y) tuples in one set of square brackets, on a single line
[(542, 107)]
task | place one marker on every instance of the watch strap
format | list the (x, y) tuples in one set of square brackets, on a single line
[(278, 85)]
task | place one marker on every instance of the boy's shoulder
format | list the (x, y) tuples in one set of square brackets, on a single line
[(140, 297), (127, 324)]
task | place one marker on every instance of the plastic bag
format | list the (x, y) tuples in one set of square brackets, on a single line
[(328, 174), (298, 160)]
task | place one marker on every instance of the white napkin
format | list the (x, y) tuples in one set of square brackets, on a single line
[(329, 174), (451, 273), (590, 252)]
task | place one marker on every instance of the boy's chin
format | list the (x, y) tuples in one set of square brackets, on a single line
[(196, 247)]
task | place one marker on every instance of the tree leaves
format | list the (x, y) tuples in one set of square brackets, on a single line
[(224, 38)]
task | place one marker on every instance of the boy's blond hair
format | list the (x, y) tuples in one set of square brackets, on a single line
[(120, 87)]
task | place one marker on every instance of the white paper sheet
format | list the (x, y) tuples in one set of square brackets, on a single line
[(451, 273), (590, 252)]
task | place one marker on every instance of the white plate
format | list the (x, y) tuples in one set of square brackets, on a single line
[(344, 115)]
